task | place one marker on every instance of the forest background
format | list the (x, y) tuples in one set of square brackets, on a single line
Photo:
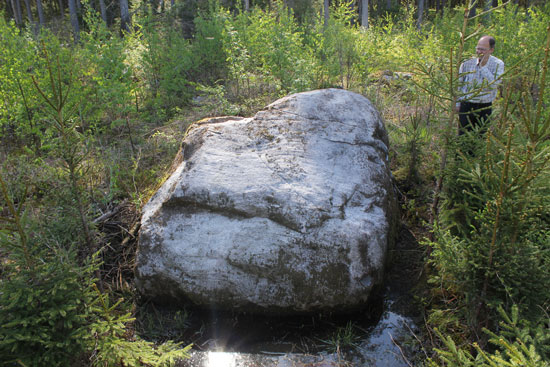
[(96, 98)]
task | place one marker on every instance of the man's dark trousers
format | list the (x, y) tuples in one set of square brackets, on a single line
[(473, 114)]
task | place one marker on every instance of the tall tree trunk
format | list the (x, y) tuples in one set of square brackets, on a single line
[(125, 21), (74, 20), (326, 12), (246, 5), (29, 11), (420, 14), (388, 4), (16, 5), (61, 8), (9, 8), (40, 12), (365, 14), (103, 11)]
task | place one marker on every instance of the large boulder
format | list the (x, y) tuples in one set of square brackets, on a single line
[(290, 211)]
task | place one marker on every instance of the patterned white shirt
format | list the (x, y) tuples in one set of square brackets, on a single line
[(478, 84)]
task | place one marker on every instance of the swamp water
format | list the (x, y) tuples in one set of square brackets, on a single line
[(381, 335)]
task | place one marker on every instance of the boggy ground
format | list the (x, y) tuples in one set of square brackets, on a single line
[(384, 333)]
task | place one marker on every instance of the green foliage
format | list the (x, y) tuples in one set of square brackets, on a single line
[(525, 346), (105, 76), (161, 60), (209, 54), (51, 311), (237, 55), (343, 338), (411, 140), (343, 50), (44, 316), (19, 115), (276, 48), (68, 142), (43, 295), (495, 209), (111, 348)]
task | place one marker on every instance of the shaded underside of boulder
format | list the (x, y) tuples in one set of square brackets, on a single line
[(290, 211)]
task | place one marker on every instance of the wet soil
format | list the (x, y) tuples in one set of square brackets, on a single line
[(382, 334)]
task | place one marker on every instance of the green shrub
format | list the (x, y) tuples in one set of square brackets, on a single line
[(44, 312), (111, 347), (276, 49), (20, 115), (209, 53), (105, 76), (494, 248), (44, 295), (51, 312), (341, 50), (162, 61), (518, 344)]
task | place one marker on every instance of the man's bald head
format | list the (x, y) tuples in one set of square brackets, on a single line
[(484, 49), (488, 40)]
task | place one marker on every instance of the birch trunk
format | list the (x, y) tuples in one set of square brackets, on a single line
[(326, 8), (420, 13), (365, 14)]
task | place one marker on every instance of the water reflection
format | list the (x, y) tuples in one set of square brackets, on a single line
[(221, 359)]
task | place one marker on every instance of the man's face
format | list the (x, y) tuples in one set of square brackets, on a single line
[(483, 47)]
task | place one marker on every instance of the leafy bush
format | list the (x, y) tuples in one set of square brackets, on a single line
[(342, 50), (276, 49), (51, 312), (517, 344), (44, 295), (494, 248), (20, 117), (209, 54), (105, 76), (162, 60)]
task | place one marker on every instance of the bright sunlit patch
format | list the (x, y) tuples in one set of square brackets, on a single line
[(221, 359)]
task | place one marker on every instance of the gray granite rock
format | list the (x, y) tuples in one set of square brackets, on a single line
[(290, 211)]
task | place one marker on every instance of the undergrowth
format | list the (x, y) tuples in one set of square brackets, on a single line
[(88, 131)]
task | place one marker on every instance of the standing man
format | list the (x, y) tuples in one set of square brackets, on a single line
[(478, 78)]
